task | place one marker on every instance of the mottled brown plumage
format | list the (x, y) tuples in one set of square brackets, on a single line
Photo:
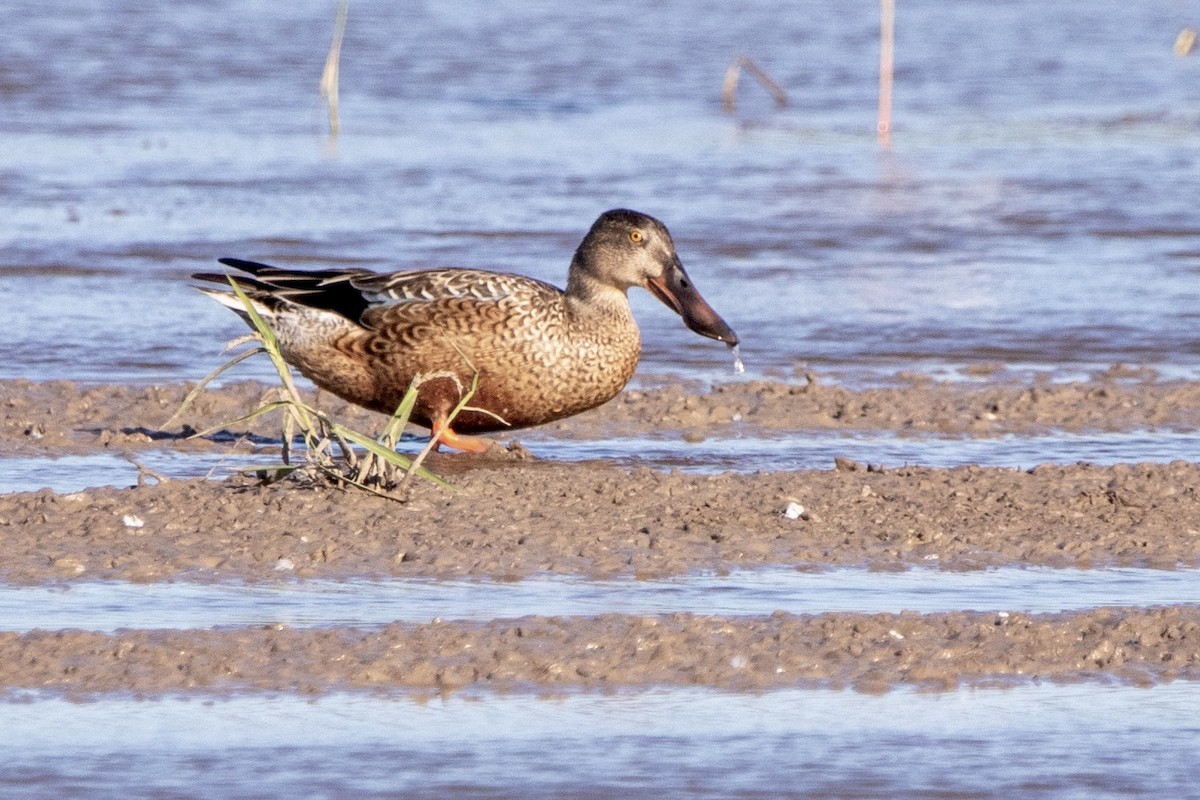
[(541, 353)]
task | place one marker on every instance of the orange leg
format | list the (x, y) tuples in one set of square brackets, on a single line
[(445, 436)]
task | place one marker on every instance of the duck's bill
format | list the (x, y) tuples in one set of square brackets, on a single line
[(676, 290)]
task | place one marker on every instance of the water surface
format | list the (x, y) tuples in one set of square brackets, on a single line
[(809, 450), (1037, 208), (1036, 741), (109, 606)]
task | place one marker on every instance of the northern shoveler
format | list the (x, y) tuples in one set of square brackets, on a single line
[(540, 353)]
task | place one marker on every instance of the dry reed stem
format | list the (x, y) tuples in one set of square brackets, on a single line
[(887, 58), (733, 75), (382, 466), (328, 88), (1185, 42)]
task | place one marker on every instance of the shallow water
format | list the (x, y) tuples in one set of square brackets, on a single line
[(1037, 208), (1035, 741), (73, 473), (811, 450), (817, 450), (108, 606)]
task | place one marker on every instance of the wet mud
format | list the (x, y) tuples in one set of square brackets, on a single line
[(66, 417), (515, 520), (867, 652)]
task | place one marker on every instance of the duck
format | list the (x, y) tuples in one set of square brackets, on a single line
[(535, 353)]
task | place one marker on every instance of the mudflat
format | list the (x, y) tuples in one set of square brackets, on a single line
[(514, 515)]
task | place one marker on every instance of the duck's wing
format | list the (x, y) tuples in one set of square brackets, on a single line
[(456, 298), (379, 300), (431, 286)]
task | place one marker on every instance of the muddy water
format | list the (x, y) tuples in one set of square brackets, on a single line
[(1036, 216)]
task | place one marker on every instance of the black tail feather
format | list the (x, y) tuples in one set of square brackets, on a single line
[(330, 290)]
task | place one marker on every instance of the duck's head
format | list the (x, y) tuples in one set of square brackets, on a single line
[(626, 248)]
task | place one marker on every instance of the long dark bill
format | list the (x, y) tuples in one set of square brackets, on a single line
[(676, 290)]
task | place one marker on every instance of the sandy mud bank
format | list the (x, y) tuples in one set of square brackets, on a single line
[(60, 416), (518, 519), (866, 652)]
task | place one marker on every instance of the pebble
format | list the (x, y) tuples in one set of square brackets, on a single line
[(284, 565), (132, 521), (70, 565), (796, 511)]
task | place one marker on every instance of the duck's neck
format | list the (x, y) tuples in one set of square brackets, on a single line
[(603, 335), (587, 297)]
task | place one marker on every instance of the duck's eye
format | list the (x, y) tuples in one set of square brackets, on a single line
[(636, 236)]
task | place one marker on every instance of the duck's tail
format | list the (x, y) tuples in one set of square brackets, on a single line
[(259, 293), (271, 288)]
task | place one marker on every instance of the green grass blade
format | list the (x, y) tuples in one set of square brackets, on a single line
[(209, 378), (266, 408), (388, 454)]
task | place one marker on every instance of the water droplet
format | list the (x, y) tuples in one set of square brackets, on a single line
[(738, 366)]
